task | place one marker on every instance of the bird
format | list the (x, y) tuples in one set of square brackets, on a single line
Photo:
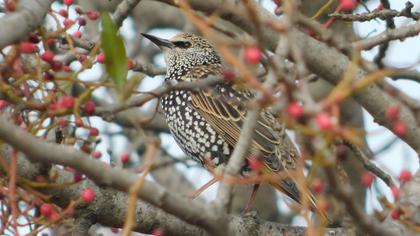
[(206, 123)]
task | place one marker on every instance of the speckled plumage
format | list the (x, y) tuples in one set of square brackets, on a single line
[(206, 123)]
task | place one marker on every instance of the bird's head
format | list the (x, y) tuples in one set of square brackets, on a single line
[(185, 51)]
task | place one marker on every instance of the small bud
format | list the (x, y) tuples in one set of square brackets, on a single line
[(405, 176), (88, 195), (253, 55), (79, 10), (131, 64)]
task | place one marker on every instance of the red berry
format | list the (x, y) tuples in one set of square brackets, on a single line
[(367, 179), (125, 158), (3, 104), (63, 122), (46, 210), (56, 65), (27, 47), (396, 214), (78, 10), (393, 112), (318, 185), (81, 20), (229, 75), (255, 163), (77, 34), (131, 64), (79, 122), (396, 192), (158, 232), (90, 107), (55, 216), (77, 176), (101, 58), (324, 121), (88, 195), (348, 5), (67, 68), (253, 55), (48, 76), (405, 176), (67, 22), (50, 41), (295, 110), (97, 154), (67, 102), (93, 15), (400, 128), (48, 56), (68, 2), (380, 6), (33, 38), (115, 230), (93, 131), (323, 205), (64, 13)]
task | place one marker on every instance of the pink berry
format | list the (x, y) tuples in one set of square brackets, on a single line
[(393, 112), (324, 121), (55, 216), (63, 122), (67, 22), (396, 214), (93, 15), (380, 6), (67, 102), (318, 185), (295, 110), (68, 2), (405, 176), (48, 56), (396, 192), (90, 107), (97, 154), (115, 230), (77, 34), (63, 12), (367, 179), (101, 58), (125, 158), (400, 128), (27, 47), (253, 55), (46, 210), (3, 104), (88, 195), (56, 65), (158, 232), (93, 131), (348, 5), (81, 20)]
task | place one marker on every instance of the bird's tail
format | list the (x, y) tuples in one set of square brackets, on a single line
[(289, 187)]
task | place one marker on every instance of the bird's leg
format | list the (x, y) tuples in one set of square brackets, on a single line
[(251, 198), (197, 192)]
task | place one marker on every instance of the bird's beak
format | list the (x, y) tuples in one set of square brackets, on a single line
[(159, 41)]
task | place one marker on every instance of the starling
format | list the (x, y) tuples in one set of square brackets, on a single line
[(206, 123)]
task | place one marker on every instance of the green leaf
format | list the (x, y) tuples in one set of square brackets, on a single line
[(114, 49)]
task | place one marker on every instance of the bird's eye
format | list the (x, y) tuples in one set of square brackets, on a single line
[(182, 44)]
